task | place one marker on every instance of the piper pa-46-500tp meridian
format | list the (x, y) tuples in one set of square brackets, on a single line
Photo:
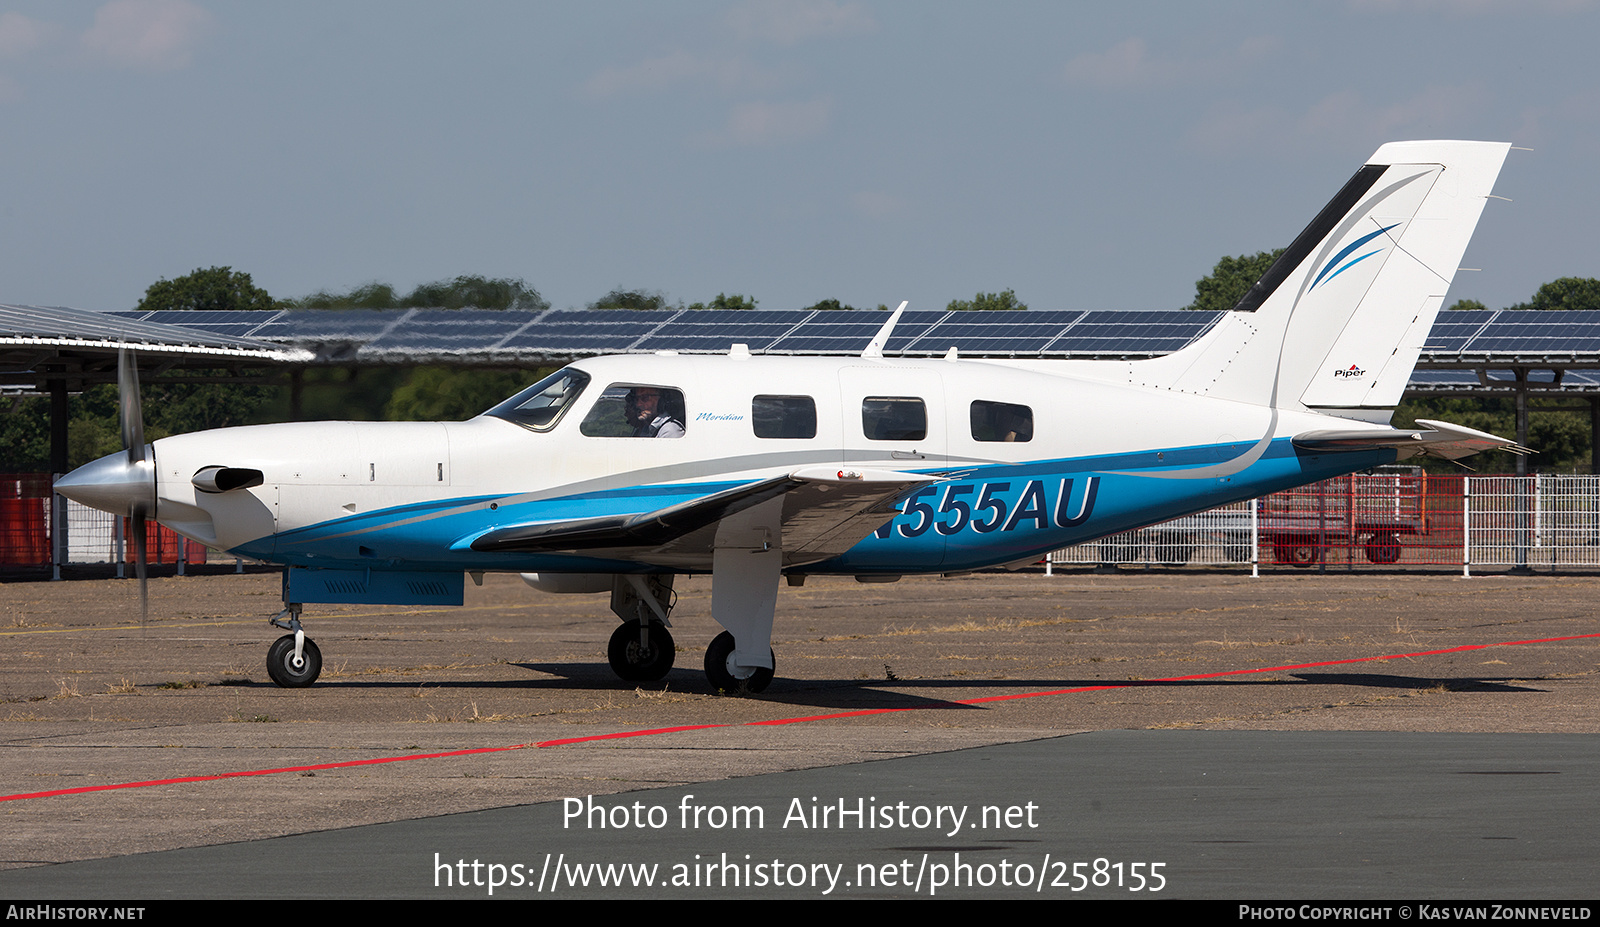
[(618, 473)]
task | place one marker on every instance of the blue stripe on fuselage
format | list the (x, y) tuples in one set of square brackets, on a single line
[(986, 515)]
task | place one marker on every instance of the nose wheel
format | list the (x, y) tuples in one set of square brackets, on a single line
[(293, 660), (291, 670)]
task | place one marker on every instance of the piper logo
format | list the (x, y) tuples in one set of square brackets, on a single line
[(1354, 371)]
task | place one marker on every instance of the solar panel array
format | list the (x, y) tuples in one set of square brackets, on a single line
[(215, 333), (421, 334), (1465, 340)]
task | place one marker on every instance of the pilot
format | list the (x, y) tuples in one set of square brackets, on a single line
[(647, 415), (1014, 423)]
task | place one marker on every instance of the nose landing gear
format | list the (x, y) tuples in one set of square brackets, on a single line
[(293, 660)]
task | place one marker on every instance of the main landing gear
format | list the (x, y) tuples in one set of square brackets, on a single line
[(293, 660), (744, 596)]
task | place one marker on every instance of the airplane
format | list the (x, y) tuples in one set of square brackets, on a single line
[(618, 473)]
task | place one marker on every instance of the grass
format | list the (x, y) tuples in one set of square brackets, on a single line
[(253, 719)]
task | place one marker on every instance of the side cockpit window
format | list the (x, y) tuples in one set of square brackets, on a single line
[(784, 416), (540, 406), (894, 418), (1001, 421), (636, 411)]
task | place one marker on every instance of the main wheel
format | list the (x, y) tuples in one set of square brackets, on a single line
[(721, 676), (640, 662), (281, 666), (1384, 548)]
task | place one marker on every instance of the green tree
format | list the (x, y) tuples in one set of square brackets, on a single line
[(632, 299), (373, 295), (477, 292), (25, 435), (452, 394), (1465, 304), (828, 304), (1005, 300), (1565, 293), (465, 292), (724, 301), (1560, 438), (181, 402), (1230, 280), (207, 288), (417, 393)]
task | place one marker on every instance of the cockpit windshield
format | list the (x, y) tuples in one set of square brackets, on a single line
[(540, 406)]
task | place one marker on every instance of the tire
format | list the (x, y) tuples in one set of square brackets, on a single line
[(1384, 548), (635, 663), (723, 681), (280, 663)]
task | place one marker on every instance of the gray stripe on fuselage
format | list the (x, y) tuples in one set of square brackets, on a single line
[(668, 474)]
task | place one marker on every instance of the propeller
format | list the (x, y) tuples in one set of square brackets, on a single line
[(139, 506)]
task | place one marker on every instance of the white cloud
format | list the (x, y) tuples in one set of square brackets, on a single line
[(1346, 114), (875, 204), (1474, 7), (20, 35), (660, 73), (789, 22), (762, 123), (1130, 64), (153, 34), (650, 74), (1124, 64), (1338, 117)]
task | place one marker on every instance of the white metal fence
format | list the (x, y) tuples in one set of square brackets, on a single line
[(1539, 522)]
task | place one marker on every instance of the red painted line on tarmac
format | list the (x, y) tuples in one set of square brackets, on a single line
[(353, 763), (863, 713)]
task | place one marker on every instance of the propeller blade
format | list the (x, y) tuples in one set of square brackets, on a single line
[(132, 416), (128, 405), (141, 562)]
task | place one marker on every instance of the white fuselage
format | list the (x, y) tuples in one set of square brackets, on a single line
[(344, 492)]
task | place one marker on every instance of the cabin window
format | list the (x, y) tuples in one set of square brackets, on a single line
[(784, 416), (1001, 421), (894, 418), (636, 411), (541, 405)]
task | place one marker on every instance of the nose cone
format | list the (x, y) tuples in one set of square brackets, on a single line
[(113, 484)]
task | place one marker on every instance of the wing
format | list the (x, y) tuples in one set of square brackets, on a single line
[(824, 512), (1437, 439)]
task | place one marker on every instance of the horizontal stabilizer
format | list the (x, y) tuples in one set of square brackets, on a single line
[(1434, 439)]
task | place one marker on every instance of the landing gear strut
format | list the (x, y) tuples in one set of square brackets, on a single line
[(293, 660)]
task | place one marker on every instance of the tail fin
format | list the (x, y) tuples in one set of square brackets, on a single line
[(1337, 322)]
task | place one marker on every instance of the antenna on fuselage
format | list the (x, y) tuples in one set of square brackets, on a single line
[(874, 348)]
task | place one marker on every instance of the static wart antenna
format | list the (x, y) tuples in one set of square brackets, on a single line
[(874, 348)]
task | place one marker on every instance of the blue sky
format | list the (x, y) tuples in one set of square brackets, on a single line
[(1088, 156)]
